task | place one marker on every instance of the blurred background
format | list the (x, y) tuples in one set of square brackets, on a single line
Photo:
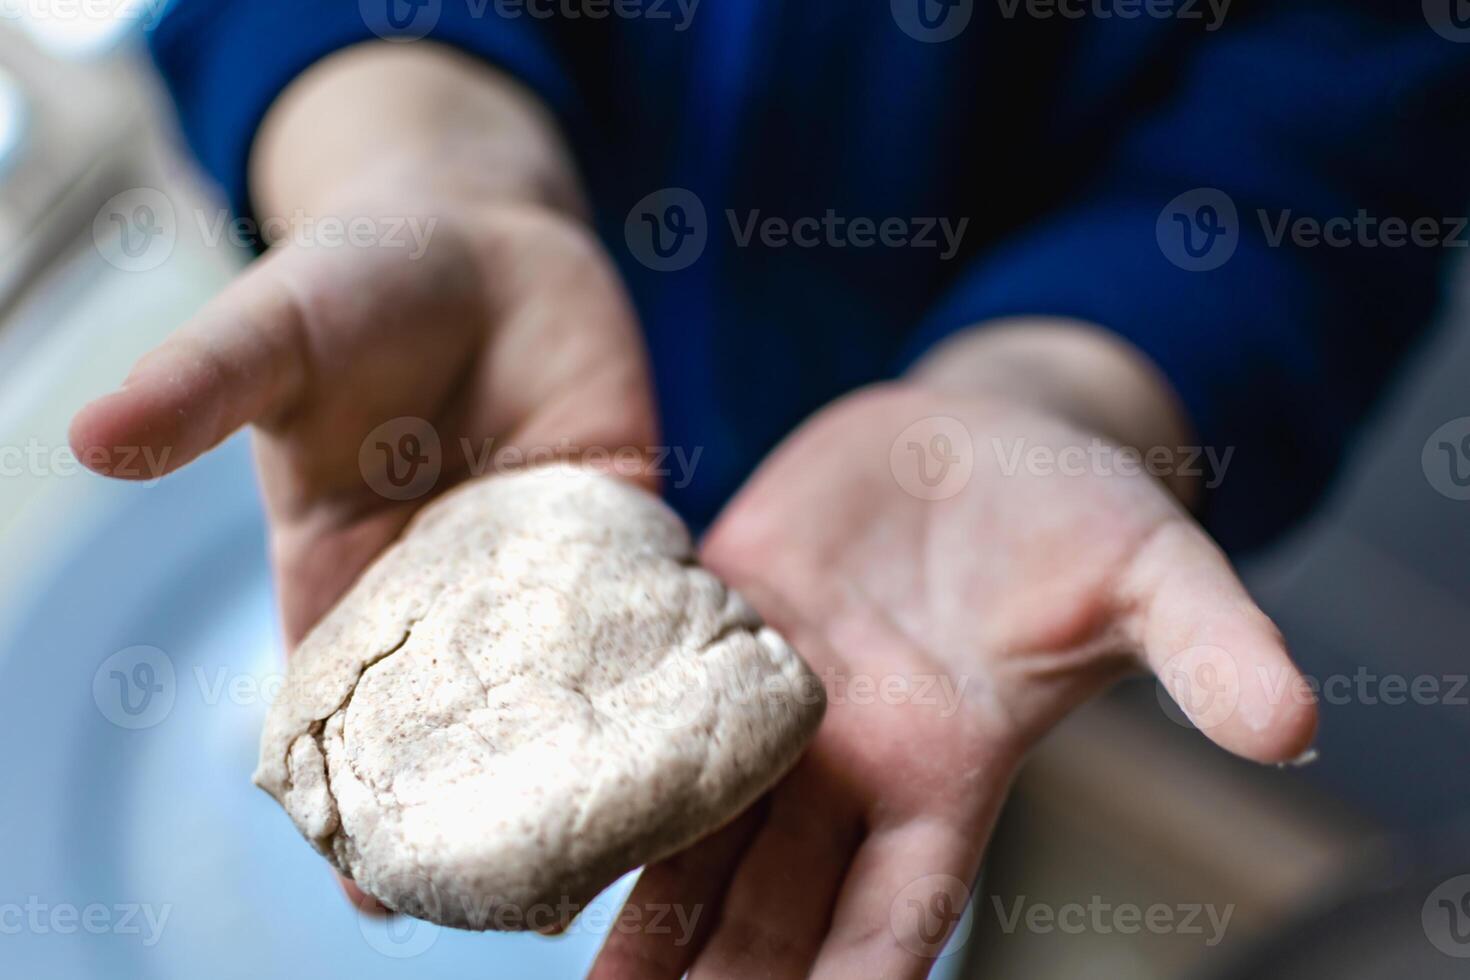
[(136, 846)]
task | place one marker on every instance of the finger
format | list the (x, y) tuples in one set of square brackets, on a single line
[(1219, 656), (778, 907), (901, 901), (365, 903), (238, 361), (685, 892)]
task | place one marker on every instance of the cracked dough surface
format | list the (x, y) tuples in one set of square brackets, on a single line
[(531, 693)]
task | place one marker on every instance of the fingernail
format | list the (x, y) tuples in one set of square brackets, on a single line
[(1305, 759)]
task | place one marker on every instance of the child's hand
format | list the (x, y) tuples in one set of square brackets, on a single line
[(952, 633), (510, 329)]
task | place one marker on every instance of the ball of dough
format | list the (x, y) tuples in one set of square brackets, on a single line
[(534, 691)]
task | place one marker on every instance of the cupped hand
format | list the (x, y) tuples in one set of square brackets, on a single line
[(461, 317), (952, 634), (507, 338)]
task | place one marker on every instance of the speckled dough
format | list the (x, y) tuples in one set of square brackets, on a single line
[(534, 691)]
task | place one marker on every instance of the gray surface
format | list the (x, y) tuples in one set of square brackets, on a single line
[(166, 816), (1379, 581)]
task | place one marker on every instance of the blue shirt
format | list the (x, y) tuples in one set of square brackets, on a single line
[(804, 196)]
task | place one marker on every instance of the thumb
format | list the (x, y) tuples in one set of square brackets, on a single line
[(240, 360), (1218, 655)]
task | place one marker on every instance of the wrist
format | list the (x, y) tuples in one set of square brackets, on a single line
[(1069, 369), (411, 127)]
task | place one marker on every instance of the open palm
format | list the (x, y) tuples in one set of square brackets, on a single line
[(951, 633)]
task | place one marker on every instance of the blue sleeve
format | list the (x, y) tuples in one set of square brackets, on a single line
[(225, 61), (1310, 111)]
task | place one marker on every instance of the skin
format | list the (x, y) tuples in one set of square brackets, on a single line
[(1027, 592), (511, 326)]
